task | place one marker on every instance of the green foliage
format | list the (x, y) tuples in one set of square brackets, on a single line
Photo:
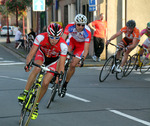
[(20, 5)]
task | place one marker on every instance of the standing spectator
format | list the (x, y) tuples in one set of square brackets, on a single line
[(100, 28), (18, 39)]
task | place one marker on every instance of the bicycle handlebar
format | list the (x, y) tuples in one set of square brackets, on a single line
[(116, 46), (45, 68)]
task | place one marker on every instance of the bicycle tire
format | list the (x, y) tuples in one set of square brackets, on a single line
[(34, 104), (22, 116), (106, 69), (144, 66), (53, 94), (25, 108), (131, 65)]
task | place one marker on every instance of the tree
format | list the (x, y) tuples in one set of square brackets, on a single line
[(4, 11), (18, 7)]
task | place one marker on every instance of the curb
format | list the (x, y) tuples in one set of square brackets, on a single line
[(22, 57)]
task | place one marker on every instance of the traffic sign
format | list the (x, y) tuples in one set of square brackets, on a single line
[(92, 5), (92, 8), (92, 2), (38, 5)]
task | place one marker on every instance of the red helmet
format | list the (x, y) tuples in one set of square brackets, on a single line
[(54, 29)]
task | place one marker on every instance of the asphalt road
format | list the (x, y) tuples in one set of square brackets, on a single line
[(87, 103)]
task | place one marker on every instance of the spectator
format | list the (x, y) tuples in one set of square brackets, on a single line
[(18, 39), (100, 28)]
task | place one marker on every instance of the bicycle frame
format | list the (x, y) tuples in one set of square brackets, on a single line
[(33, 95)]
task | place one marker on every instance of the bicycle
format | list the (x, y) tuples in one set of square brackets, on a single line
[(110, 65), (58, 86), (29, 42), (139, 60), (33, 95)]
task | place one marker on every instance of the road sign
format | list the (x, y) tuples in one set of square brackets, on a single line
[(92, 5), (92, 8), (92, 2), (38, 5)]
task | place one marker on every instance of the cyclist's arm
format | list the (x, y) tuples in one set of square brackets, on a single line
[(31, 54), (134, 44), (114, 36), (64, 36), (86, 49)]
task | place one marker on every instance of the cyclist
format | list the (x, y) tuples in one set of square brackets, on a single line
[(78, 41), (146, 43), (48, 46), (129, 42)]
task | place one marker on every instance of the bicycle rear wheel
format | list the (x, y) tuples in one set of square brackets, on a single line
[(145, 66), (131, 65), (53, 94), (106, 69)]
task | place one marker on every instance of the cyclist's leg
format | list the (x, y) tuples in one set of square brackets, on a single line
[(32, 77), (46, 80)]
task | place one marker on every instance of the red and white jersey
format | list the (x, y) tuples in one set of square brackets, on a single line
[(51, 50), (84, 36)]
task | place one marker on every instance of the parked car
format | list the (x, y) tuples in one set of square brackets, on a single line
[(4, 30)]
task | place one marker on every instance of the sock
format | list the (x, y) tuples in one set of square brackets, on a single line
[(25, 91), (65, 84)]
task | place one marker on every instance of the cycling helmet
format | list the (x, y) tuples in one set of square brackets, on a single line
[(148, 24), (131, 24), (80, 19), (54, 29)]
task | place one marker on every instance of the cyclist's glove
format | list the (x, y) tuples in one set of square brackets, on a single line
[(28, 66), (82, 61)]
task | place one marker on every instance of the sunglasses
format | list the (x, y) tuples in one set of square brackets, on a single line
[(81, 25), (148, 28), (51, 37)]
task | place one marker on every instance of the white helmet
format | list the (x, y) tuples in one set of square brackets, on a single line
[(80, 19)]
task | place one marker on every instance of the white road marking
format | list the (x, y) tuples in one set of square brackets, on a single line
[(15, 63), (130, 117), (69, 95), (75, 97)]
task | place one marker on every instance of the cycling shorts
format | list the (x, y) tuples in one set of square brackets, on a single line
[(51, 62), (78, 47), (146, 43)]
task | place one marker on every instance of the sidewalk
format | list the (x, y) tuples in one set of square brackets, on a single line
[(21, 54)]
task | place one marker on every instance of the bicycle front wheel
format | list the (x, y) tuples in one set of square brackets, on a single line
[(53, 94), (145, 66), (106, 69), (34, 101)]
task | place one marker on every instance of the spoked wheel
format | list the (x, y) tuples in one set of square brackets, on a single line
[(53, 93), (106, 69), (126, 68), (145, 66), (22, 116), (28, 107), (32, 106), (131, 65)]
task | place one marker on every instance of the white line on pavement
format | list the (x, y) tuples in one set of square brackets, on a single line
[(130, 117), (12, 63), (69, 95), (75, 97)]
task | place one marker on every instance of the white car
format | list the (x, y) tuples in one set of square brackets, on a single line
[(4, 30)]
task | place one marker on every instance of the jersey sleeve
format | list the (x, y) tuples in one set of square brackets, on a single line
[(66, 31), (38, 39), (143, 32), (88, 32), (64, 49)]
